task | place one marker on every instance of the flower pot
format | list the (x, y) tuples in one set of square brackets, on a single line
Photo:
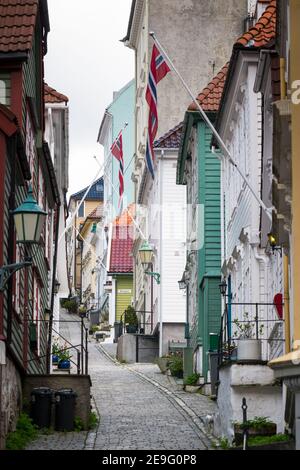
[(249, 350), (65, 364), (131, 329), (55, 359)]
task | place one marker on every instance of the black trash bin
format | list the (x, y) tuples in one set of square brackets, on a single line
[(41, 401), (65, 409)]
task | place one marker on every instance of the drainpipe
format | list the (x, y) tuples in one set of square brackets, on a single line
[(48, 362), (160, 256)]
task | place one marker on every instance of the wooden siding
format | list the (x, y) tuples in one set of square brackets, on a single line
[(123, 300), (209, 257)]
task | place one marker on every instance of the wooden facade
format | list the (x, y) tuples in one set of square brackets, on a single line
[(203, 190)]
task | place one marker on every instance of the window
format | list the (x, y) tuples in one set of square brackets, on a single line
[(81, 210), (5, 89), (98, 188), (30, 152)]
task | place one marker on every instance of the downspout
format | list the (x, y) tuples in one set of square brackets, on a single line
[(58, 207), (160, 255), (11, 231)]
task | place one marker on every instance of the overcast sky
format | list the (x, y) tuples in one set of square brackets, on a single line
[(86, 62)]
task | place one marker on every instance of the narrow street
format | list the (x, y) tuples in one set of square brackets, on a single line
[(139, 407)]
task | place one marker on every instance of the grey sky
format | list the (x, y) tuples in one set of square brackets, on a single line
[(87, 62)]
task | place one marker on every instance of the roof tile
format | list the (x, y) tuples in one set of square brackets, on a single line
[(210, 97), (17, 23), (121, 260), (170, 140), (53, 96), (264, 30)]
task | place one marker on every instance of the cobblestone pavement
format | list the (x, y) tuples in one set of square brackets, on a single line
[(139, 408)]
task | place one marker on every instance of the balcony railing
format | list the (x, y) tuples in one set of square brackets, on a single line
[(258, 321)]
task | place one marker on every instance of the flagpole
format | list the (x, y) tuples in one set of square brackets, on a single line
[(219, 139), (80, 204)]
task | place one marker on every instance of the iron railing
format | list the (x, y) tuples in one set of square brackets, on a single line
[(259, 321)]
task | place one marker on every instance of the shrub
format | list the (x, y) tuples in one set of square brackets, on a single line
[(192, 379), (265, 440), (176, 366), (93, 420), (70, 305), (78, 424), (130, 316), (25, 432), (259, 422)]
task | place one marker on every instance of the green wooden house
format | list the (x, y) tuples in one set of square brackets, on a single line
[(199, 169)]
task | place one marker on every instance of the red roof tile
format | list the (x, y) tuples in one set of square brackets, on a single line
[(17, 24), (170, 140), (121, 260), (210, 97), (264, 30), (53, 96)]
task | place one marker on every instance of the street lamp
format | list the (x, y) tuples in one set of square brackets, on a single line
[(146, 254), (184, 285), (223, 288), (29, 219), (56, 286), (273, 243)]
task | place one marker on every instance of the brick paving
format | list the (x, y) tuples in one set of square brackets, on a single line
[(139, 408)]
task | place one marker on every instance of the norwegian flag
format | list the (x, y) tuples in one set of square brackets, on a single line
[(117, 151), (158, 70)]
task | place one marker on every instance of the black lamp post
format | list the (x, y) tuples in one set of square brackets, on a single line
[(29, 220), (223, 288)]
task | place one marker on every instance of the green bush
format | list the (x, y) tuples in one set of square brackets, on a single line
[(93, 420), (25, 432), (70, 305), (130, 317), (78, 424), (192, 379), (259, 422), (265, 440), (176, 366)]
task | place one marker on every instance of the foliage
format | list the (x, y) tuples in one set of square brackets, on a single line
[(25, 432), (130, 316), (224, 443), (82, 310), (176, 366), (78, 424), (93, 329), (259, 422), (246, 328), (264, 440), (93, 420), (70, 305), (55, 348), (192, 379)]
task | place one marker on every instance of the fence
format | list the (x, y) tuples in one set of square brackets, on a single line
[(259, 321)]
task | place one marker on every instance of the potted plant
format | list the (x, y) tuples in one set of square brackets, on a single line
[(64, 359), (191, 383), (82, 311), (131, 320), (55, 352), (249, 347), (176, 366)]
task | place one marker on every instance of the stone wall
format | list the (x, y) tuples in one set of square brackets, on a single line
[(147, 348), (10, 399), (258, 385), (81, 384)]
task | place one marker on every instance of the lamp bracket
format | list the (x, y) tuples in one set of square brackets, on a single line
[(6, 272), (155, 275)]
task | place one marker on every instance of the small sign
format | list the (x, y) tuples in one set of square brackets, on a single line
[(124, 291)]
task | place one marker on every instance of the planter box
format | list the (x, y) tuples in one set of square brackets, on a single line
[(192, 388), (252, 432), (249, 350)]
